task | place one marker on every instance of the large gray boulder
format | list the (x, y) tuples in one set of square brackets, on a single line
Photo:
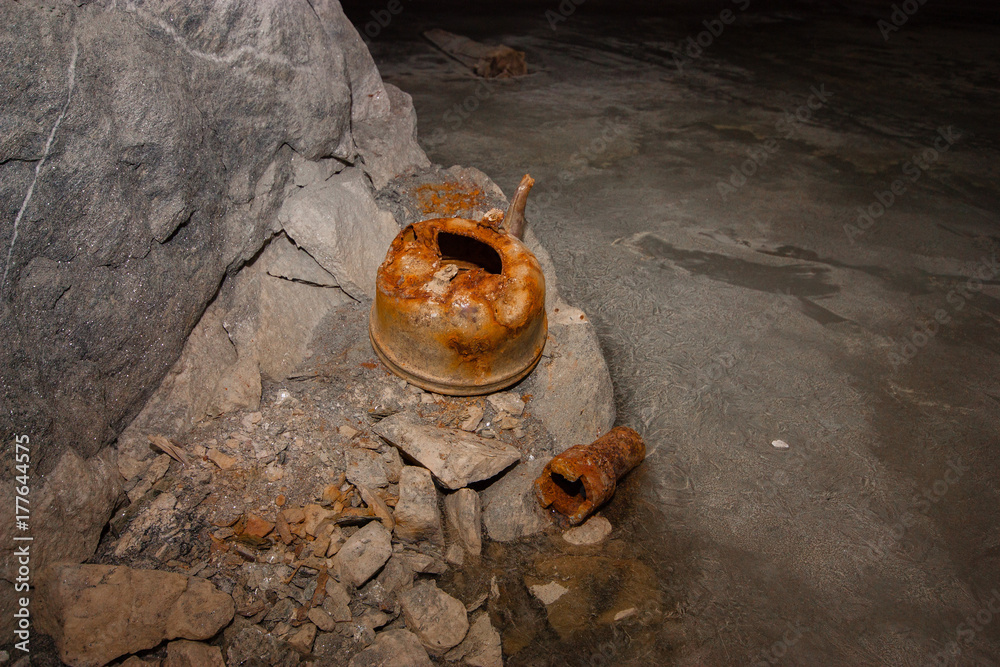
[(146, 149)]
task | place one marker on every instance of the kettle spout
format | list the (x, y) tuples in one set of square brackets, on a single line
[(513, 220)]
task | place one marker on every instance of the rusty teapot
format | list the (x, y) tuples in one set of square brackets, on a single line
[(460, 304)]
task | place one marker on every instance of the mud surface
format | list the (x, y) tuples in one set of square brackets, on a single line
[(728, 221)]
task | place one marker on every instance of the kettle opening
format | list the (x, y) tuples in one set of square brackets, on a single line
[(468, 253)]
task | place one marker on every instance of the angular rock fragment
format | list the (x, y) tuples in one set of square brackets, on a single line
[(364, 553), (393, 648), (439, 620), (365, 468), (454, 457), (593, 531), (96, 613), (417, 516), (506, 401), (464, 512), (184, 653), (510, 507), (481, 646)]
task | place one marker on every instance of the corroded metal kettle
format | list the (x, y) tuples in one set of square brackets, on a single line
[(460, 304)]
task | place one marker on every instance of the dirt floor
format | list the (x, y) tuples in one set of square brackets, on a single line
[(787, 233)]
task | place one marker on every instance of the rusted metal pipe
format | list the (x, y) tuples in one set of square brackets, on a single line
[(581, 479)]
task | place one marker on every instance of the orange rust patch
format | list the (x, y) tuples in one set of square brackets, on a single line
[(448, 199), (369, 365)]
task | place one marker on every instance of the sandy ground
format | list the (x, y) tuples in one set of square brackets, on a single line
[(727, 218)]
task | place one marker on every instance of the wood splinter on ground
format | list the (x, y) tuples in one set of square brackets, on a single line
[(499, 61)]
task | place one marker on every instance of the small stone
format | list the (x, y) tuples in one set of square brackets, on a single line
[(455, 555), (184, 653), (153, 474), (393, 648), (481, 646), (454, 457), (130, 467), (347, 431), (780, 444), (365, 466), (593, 531), (224, 461), (626, 613), (416, 514), (439, 620), (364, 553), (280, 500), (373, 619), (257, 526), (508, 423), (507, 402), (250, 420), (323, 620), (314, 515), (132, 661), (464, 513), (422, 563), (426, 398), (510, 506), (302, 639), (473, 418), (548, 593), (337, 601), (393, 464)]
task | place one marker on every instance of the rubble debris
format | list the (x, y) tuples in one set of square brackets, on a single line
[(96, 613), (464, 514), (500, 61), (417, 516), (393, 648), (455, 458), (510, 506), (581, 479), (364, 553), (184, 653), (439, 620), (459, 307), (481, 646), (167, 447)]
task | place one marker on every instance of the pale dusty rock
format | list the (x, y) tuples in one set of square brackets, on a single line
[(626, 613), (338, 223), (548, 593), (422, 563), (388, 145), (337, 601), (184, 653), (323, 620), (283, 260), (571, 388), (481, 646), (373, 619), (593, 531), (68, 512), (302, 639), (455, 555), (221, 459), (364, 553), (130, 467), (510, 506), (393, 648), (507, 401), (417, 516), (473, 419), (393, 464), (159, 513), (464, 514), (365, 467), (156, 470), (454, 457), (439, 620), (250, 420), (96, 613), (396, 576), (347, 431)]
